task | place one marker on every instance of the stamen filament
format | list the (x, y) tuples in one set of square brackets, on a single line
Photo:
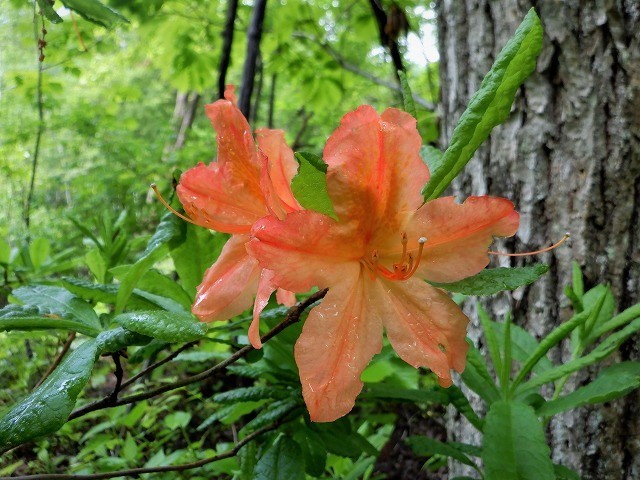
[(154, 187), (523, 254)]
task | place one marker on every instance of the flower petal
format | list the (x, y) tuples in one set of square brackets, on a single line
[(282, 166), (338, 340), (375, 172), (285, 297), (265, 288), (424, 326), (305, 249), (229, 285), (458, 235), (216, 198)]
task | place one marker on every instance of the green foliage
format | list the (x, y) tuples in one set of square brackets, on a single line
[(46, 409), (55, 302), (95, 12), (165, 326), (283, 461), (491, 104), (493, 280), (514, 444), (612, 382), (310, 185)]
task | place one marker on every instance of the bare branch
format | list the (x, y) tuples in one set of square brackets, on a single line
[(293, 316)]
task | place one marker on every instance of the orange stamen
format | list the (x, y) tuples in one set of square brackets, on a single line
[(523, 254), (405, 269), (154, 187)]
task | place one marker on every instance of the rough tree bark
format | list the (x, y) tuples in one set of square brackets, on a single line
[(569, 158)]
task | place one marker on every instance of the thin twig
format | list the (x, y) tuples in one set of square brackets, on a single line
[(113, 397), (58, 359), (40, 42), (159, 363), (75, 27), (293, 316), (139, 471)]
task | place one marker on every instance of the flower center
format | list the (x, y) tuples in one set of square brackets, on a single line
[(402, 270)]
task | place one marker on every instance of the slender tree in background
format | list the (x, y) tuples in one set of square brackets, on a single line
[(390, 26), (227, 43), (254, 34), (569, 157)]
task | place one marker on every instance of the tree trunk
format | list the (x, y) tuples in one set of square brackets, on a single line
[(227, 43), (569, 158), (254, 34)]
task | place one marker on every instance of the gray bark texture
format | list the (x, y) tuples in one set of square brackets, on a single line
[(569, 158)]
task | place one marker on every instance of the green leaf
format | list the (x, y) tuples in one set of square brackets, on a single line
[(612, 382), (491, 104), (391, 392), (461, 403), (195, 255), (619, 320), (603, 350), (168, 326), (283, 461), (490, 336), (315, 455), (601, 301), (551, 340), (46, 409), (5, 252), (494, 280), (95, 12), (169, 233), (177, 420), (477, 377), (426, 447), (577, 280), (96, 264), (432, 156), (51, 300), (39, 250), (274, 411), (47, 10), (514, 444), (339, 439), (116, 339), (564, 473), (522, 346), (407, 96), (310, 184), (250, 394), (27, 318)]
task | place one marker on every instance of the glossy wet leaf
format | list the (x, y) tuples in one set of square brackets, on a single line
[(57, 301), (310, 184), (27, 318), (46, 409), (514, 444), (491, 104), (494, 280), (167, 326)]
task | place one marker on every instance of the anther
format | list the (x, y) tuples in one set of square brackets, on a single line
[(548, 249), (154, 187)]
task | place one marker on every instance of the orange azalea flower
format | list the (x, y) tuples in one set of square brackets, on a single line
[(230, 195), (375, 260)]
